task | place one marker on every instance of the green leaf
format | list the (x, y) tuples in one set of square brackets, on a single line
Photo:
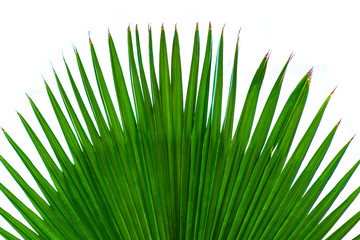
[(186, 134), (271, 156), (326, 224), (196, 138), (283, 183), (314, 217), (345, 228), (18, 226), (142, 154), (60, 201), (297, 190), (225, 139), (257, 140), (130, 134), (176, 96), (6, 234), (237, 147), (210, 146), (39, 225), (302, 207)]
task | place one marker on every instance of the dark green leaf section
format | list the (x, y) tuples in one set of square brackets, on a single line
[(169, 167), (188, 123)]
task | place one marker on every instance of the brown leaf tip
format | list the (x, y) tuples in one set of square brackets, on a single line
[(339, 122), (238, 36), (291, 56), (209, 25), (45, 82), (136, 27), (333, 91), (128, 27), (162, 27), (267, 56), (222, 30), (197, 26), (310, 74), (109, 34), (352, 137)]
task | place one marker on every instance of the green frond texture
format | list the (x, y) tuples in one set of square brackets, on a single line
[(169, 167)]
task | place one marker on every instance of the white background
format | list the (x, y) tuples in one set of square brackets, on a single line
[(322, 34)]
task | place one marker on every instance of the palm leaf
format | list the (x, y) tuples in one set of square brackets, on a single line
[(166, 168)]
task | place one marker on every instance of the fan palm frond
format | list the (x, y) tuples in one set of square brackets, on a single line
[(168, 167)]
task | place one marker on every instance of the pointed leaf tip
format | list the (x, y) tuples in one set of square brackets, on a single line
[(310, 73), (89, 38), (333, 91), (175, 27), (162, 27), (238, 36), (43, 77), (352, 137), (339, 122), (197, 26), (209, 25), (75, 49), (136, 27), (311, 70), (222, 31), (44, 80), (52, 66), (268, 55), (291, 56)]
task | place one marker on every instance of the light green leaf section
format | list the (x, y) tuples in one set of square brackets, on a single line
[(168, 167)]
